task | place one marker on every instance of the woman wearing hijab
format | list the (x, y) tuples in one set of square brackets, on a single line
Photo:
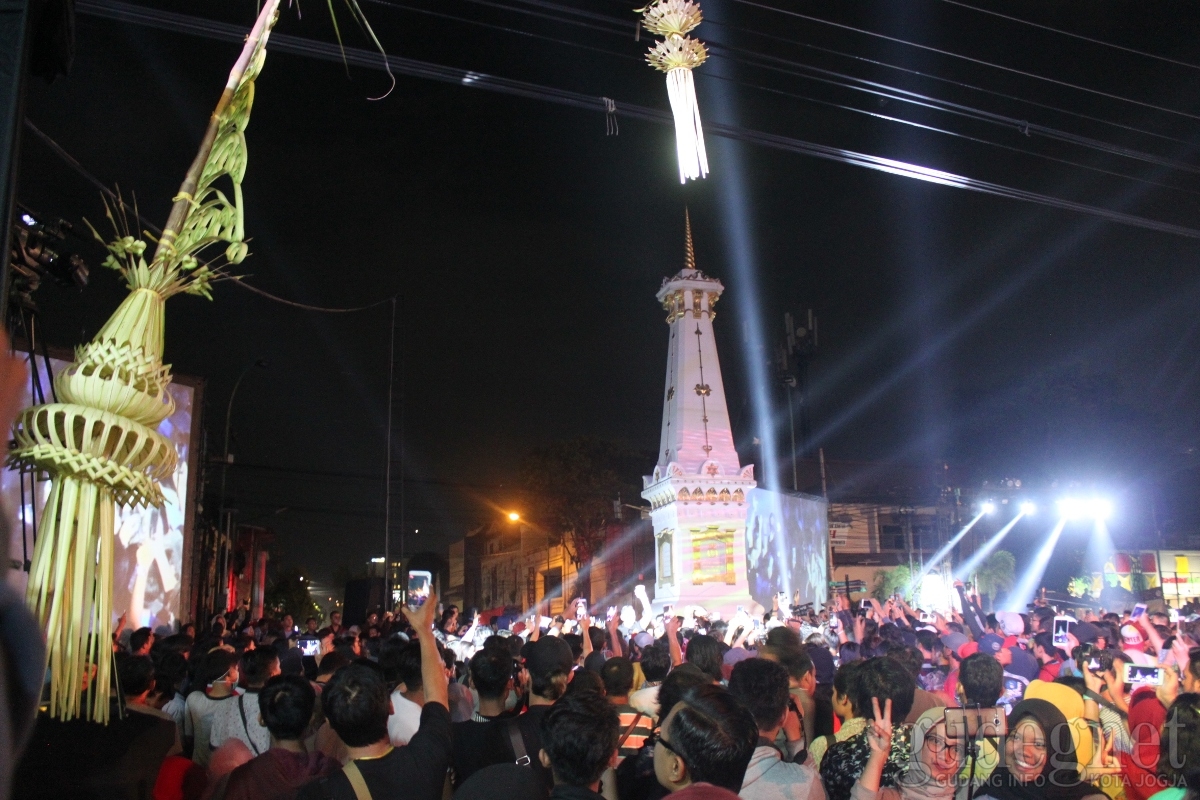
[(1039, 759), (932, 771)]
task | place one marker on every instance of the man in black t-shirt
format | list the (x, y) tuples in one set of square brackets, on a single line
[(357, 703), (482, 740)]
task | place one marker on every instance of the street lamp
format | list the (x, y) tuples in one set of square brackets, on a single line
[(514, 516)]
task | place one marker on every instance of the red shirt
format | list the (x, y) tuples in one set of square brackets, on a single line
[(1050, 671), (1140, 768)]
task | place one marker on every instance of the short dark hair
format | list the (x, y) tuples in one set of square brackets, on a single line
[(256, 665), (676, 685), (331, 663), (762, 687), (795, 660), (656, 663), (138, 639), (136, 675), (286, 704), (214, 665), (585, 681), (928, 640), (705, 652), (715, 736), (909, 657), (982, 679), (356, 703), (885, 678), (1180, 742), (617, 674), (849, 651), (845, 683), (579, 735), (404, 666), (491, 670), (1045, 640)]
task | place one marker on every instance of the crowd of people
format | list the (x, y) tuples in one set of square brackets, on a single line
[(866, 700)]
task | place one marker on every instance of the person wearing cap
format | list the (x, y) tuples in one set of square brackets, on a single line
[(1133, 644), (550, 663)]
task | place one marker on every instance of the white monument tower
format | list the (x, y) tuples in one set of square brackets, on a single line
[(699, 489)]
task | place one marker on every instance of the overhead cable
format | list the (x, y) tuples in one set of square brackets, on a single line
[(1079, 36), (854, 83), (548, 4), (971, 59), (126, 12), (146, 224)]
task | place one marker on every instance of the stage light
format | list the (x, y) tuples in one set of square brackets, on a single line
[(1099, 509), (1077, 508), (945, 550), (513, 516), (1027, 588), (965, 569), (988, 507), (1072, 508), (1028, 508)]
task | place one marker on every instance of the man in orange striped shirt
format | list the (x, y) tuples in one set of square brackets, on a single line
[(617, 674)]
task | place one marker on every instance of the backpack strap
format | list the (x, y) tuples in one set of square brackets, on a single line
[(245, 726), (629, 730), (357, 782), (520, 756)]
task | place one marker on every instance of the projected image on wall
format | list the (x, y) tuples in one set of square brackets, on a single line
[(786, 546), (149, 546)]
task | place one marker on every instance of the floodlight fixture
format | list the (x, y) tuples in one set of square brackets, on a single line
[(1099, 509), (988, 507), (1028, 508)]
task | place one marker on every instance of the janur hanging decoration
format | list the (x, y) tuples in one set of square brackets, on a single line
[(677, 55), (99, 443)]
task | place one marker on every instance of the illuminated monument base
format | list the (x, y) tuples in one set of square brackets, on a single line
[(700, 537)]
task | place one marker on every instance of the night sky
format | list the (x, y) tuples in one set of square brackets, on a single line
[(526, 246)]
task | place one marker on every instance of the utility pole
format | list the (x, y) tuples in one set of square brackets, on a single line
[(799, 347)]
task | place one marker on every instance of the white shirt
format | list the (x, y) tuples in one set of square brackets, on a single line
[(646, 701), (197, 722), (404, 721), (239, 720)]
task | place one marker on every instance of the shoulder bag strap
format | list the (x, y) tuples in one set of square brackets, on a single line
[(629, 730), (520, 756), (357, 783), (245, 727)]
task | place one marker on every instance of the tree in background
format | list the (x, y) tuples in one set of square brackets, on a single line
[(572, 486), (996, 574), (288, 594), (892, 581)]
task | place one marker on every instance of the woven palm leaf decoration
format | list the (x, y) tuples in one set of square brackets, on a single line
[(99, 443), (677, 55)]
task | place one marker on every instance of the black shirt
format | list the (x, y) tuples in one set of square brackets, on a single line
[(564, 792), (530, 724), (416, 771), (481, 744)]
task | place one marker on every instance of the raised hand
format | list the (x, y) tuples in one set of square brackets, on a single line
[(879, 734)]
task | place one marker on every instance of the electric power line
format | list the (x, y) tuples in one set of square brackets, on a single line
[(113, 9), (875, 88), (970, 59), (1079, 36)]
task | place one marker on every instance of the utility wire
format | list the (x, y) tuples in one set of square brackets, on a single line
[(854, 83), (74, 164), (113, 9), (864, 59), (970, 59), (1079, 36)]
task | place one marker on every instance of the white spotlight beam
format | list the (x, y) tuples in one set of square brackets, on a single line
[(964, 570), (940, 554), (1027, 588)]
